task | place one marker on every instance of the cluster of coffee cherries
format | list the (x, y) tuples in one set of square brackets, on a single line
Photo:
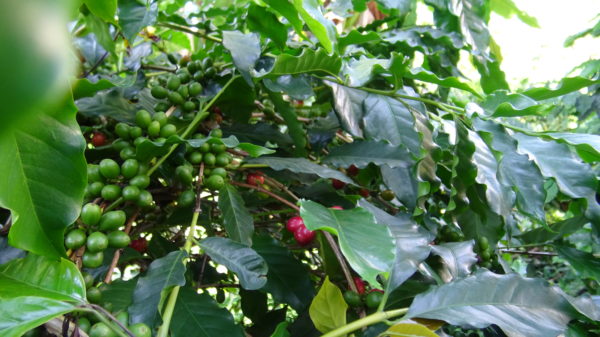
[(213, 153), (258, 179), (97, 232), (183, 88), (90, 325), (296, 226), (485, 253), (361, 297)]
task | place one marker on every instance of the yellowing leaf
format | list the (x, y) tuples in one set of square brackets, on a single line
[(408, 330), (328, 308)]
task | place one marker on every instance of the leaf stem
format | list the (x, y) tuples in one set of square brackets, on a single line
[(191, 31), (377, 317)]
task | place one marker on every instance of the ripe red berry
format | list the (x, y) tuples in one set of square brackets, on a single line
[(139, 244), (255, 179), (98, 139), (352, 170), (293, 224), (376, 290), (336, 207), (304, 235), (337, 184), (360, 285), (364, 192)]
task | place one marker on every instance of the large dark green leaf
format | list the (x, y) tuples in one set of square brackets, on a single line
[(574, 178), (109, 103), (492, 77), (402, 181), (312, 13), (355, 37), (287, 10), (473, 19), (481, 160), (476, 225), (21, 314), (153, 288), (244, 49), (238, 221), (387, 119), (39, 71), (101, 31), (297, 87), (361, 153), (295, 128), (516, 171), (558, 229), (105, 9), (44, 174), (287, 280), (586, 264), (119, 294), (85, 87), (302, 165), (40, 276), (565, 86), (348, 104), (412, 243), (328, 308), (587, 145), (309, 61), (199, 315), (133, 17), (501, 103), (368, 246), (458, 257), (261, 20), (519, 306), (250, 267)]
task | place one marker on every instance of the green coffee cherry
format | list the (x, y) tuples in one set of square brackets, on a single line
[(141, 181), (154, 129), (122, 130), (91, 214), (143, 117), (75, 239), (145, 200), (131, 193), (111, 192), (118, 239), (130, 168), (168, 130), (109, 168), (158, 92), (161, 117), (92, 260), (173, 83), (112, 220)]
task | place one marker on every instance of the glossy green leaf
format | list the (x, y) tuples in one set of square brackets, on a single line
[(586, 264), (516, 171), (104, 9), (134, 16), (297, 87), (254, 150), (458, 258), (40, 276), (119, 294), (261, 20), (302, 165), (250, 267), (408, 330), (288, 280), (508, 9), (281, 330), (473, 24), (587, 145), (21, 314), (199, 315), (85, 87), (474, 225), (387, 119), (361, 153), (358, 72), (574, 178), (565, 86), (368, 246), (309, 61), (109, 103), (39, 71), (287, 10), (236, 217), (244, 49), (482, 163), (312, 13), (425, 75), (557, 230), (348, 104), (403, 183), (100, 28), (295, 128), (152, 288), (328, 308), (519, 306), (46, 147), (412, 243), (356, 37), (492, 77), (502, 104)]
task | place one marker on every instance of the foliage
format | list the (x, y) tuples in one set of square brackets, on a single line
[(259, 168)]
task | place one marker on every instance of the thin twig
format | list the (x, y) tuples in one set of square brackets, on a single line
[(271, 194), (281, 186), (112, 318), (115, 260), (510, 251)]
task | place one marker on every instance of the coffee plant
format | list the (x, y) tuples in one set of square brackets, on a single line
[(289, 168)]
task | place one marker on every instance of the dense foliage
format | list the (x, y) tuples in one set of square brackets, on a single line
[(290, 168)]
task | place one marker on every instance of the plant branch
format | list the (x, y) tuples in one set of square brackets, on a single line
[(510, 251), (192, 31), (163, 331), (271, 194), (101, 312), (377, 317), (115, 260)]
